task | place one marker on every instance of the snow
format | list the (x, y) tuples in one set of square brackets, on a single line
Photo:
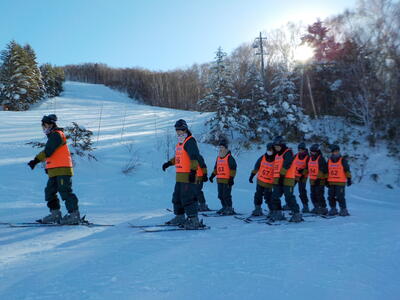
[(343, 258)]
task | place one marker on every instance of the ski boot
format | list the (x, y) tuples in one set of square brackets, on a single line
[(221, 211), (192, 223), (257, 211), (203, 207), (177, 220), (286, 207), (322, 211), (296, 218), (277, 215), (228, 211), (333, 212), (72, 218), (305, 209), (343, 212), (53, 218)]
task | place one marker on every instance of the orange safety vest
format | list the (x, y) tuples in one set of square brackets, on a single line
[(199, 172), (182, 159), (299, 164), (278, 164), (336, 171), (61, 158), (266, 171), (313, 168), (223, 170)]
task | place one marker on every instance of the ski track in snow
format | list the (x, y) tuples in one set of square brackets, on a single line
[(342, 258)]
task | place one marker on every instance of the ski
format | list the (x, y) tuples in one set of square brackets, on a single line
[(170, 210), (34, 225), (250, 219), (148, 226), (158, 229), (220, 215)]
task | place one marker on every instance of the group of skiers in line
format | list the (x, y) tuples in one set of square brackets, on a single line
[(278, 171)]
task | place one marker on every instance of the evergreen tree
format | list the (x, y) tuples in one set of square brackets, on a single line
[(36, 87), (221, 99)]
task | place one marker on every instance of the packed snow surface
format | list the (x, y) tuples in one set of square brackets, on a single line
[(356, 257)]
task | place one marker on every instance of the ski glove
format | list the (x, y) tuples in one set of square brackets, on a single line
[(192, 176), (33, 163), (166, 165), (212, 178), (281, 179), (231, 182), (205, 178), (349, 183), (251, 177)]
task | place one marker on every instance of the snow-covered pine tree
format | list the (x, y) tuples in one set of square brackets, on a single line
[(36, 89), (283, 114), (52, 77), (221, 99), (14, 79)]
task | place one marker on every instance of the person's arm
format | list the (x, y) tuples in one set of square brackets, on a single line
[(193, 152), (54, 141), (232, 166), (257, 166), (287, 162)]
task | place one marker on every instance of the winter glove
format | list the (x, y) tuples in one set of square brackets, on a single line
[(349, 183), (192, 176), (251, 177), (281, 179), (231, 182), (317, 181), (33, 163), (212, 178), (205, 178), (166, 165)]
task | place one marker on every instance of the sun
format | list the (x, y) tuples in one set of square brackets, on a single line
[(303, 53)]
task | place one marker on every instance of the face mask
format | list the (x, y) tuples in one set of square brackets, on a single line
[(46, 131), (335, 155), (182, 138), (269, 153)]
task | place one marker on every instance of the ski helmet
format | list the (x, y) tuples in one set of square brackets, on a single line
[(314, 148), (181, 125), (49, 119), (302, 146), (269, 146), (334, 147), (223, 142)]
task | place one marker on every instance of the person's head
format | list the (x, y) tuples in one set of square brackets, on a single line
[(270, 148), (278, 143), (223, 147), (48, 123), (302, 147), (335, 150), (314, 149), (181, 129)]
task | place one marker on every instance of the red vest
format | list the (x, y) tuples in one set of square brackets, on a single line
[(336, 171), (61, 158), (223, 170), (278, 164), (266, 171), (182, 159), (299, 164), (313, 167)]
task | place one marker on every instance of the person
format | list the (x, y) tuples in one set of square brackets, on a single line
[(186, 163), (265, 168), (60, 171), (225, 171), (317, 170), (201, 177), (301, 162), (338, 175), (284, 180)]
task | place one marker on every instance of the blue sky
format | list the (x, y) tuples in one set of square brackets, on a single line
[(153, 34)]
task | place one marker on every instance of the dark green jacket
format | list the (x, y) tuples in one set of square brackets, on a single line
[(232, 166), (54, 141), (193, 152), (203, 166), (269, 158)]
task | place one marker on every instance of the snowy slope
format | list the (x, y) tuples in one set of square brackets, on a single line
[(343, 258)]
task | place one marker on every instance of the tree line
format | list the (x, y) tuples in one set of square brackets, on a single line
[(354, 73), (22, 81)]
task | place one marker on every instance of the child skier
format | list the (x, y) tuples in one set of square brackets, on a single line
[(186, 163), (265, 178), (225, 170), (59, 169), (201, 177), (301, 162), (317, 170), (338, 175)]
